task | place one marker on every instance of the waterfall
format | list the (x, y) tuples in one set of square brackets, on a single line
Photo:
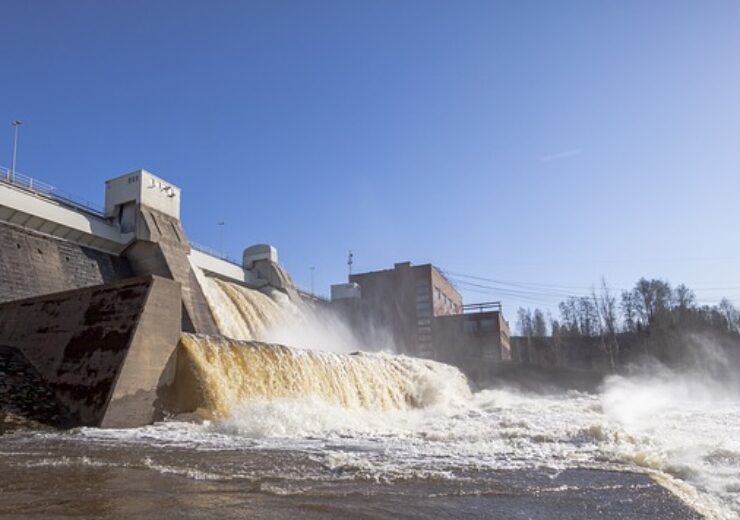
[(243, 313), (248, 314), (216, 374), (250, 363)]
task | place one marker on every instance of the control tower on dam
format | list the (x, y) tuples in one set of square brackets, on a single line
[(93, 300)]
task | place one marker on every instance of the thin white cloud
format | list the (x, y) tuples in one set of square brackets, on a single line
[(561, 155)]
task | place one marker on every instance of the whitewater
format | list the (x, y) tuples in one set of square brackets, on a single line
[(453, 439), (330, 433)]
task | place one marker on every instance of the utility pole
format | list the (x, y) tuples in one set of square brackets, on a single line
[(349, 262), (16, 125), (221, 237)]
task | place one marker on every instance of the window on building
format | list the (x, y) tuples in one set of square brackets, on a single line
[(470, 327), (488, 325)]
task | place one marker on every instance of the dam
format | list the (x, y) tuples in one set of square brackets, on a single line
[(162, 365), (99, 306)]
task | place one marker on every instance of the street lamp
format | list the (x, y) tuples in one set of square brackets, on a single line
[(16, 124), (221, 237)]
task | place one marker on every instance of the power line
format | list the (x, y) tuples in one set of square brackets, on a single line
[(517, 284), (548, 294)]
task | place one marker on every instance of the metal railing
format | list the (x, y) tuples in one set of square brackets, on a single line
[(312, 295), (214, 252), (482, 307), (222, 256), (305, 293), (38, 187)]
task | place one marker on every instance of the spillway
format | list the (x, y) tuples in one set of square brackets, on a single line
[(216, 374), (243, 313)]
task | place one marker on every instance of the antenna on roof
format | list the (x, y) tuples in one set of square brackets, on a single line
[(350, 256)]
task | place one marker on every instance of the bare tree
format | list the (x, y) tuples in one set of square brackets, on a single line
[(524, 322), (606, 305), (684, 297), (654, 317), (588, 317), (569, 316), (652, 299), (539, 325), (730, 314), (629, 311)]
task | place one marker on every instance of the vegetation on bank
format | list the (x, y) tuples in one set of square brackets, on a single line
[(651, 320)]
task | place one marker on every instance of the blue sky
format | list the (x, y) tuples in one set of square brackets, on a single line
[(544, 144)]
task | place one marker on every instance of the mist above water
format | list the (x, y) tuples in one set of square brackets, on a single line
[(248, 314)]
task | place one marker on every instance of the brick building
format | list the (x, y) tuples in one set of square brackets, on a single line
[(405, 299), (425, 314), (474, 339)]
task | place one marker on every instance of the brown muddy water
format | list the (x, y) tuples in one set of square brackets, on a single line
[(87, 475), (289, 433)]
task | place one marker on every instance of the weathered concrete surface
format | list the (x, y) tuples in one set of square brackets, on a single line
[(50, 215), (149, 369), (32, 264), (24, 393), (106, 352), (162, 249)]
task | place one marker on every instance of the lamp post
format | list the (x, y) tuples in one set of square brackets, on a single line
[(221, 237), (16, 124)]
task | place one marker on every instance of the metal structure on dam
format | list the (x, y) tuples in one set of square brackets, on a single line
[(93, 301)]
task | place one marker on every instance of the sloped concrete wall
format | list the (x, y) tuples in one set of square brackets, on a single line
[(138, 397), (106, 352), (32, 264), (24, 394), (162, 249)]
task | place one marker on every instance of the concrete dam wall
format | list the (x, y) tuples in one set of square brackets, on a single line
[(32, 264), (93, 303), (104, 352)]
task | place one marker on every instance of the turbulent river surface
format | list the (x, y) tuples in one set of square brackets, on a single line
[(454, 455), (282, 432)]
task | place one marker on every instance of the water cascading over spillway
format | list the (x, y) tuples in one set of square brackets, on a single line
[(217, 374), (243, 313), (257, 359)]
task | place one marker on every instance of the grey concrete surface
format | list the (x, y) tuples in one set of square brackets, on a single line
[(33, 264), (105, 352)]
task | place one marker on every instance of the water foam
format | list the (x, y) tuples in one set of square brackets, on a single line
[(687, 446), (383, 417)]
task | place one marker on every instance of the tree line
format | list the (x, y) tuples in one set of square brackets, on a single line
[(651, 304), (652, 308)]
